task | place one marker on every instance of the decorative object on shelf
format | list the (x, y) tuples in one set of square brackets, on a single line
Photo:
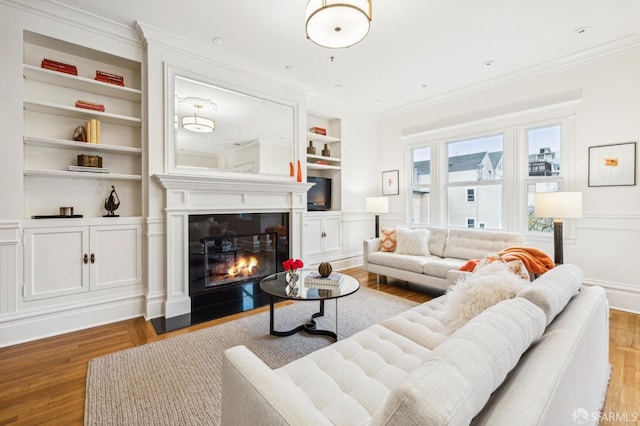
[(195, 123), (377, 205), (89, 160), (299, 175), (66, 211), (324, 269), (94, 106), (291, 172), (50, 64), (337, 23), (112, 203), (322, 162), (326, 152), (107, 77), (311, 149), (318, 131), (292, 266), (80, 134), (612, 165), (390, 182), (92, 130), (558, 206)]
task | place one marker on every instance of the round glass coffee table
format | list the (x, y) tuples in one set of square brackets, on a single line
[(276, 286)]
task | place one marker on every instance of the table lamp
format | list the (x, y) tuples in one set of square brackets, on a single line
[(558, 206), (377, 205)]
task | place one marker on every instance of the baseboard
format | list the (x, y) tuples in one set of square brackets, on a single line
[(39, 326), (622, 297)]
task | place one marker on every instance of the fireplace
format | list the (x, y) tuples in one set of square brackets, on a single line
[(228, 249), (273, 207)]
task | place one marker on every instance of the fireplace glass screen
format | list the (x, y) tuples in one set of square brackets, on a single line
[(227, 249)]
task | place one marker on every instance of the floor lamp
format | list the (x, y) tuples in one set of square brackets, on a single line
[(558, 206), (377, 205)]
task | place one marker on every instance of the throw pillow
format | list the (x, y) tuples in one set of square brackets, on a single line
[(388, 239), (412, 241), (474, 293)]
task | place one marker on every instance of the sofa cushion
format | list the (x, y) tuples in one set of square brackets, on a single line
[(458, 377), (350, 379), (475, 244), (553, 290), (437, 267), (388, 239), (437, 240), (412, 241), (404, 262), (474, 293)]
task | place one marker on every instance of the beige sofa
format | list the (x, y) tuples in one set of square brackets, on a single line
[(449, 249), (537, 359)]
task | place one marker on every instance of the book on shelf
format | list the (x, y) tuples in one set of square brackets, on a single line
[(110, 76), (334, 280), (88, 169), (90, 105), (108, 80), (318, 131), (59, 66)]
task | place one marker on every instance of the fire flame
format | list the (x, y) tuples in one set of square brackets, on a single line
[(243, 267)]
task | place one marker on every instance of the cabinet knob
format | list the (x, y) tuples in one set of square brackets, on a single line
[(324, 234), (85, 258), (93, 258)]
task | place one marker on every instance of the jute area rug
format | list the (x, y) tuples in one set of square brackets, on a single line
[(177, 381)]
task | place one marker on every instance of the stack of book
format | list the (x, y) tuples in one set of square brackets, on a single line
[(93, 131), (59, 66), (318, 130), (88, 169), (107, 77), (315, 280), (90, 105)]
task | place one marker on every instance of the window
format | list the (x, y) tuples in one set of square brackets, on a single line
[(421, 186), (543, 148), (477, 161), (471, 195)]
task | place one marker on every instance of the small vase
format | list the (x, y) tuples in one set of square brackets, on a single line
[(326, 152), (311, 149), (292, 282)]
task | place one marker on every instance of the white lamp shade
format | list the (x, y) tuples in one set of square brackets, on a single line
[(558, 205), (377, 205), (196, 123), (338, 23)]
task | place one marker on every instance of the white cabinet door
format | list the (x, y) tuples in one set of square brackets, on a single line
[(313, 236), (54, 262), (332, 236), (115, 256)]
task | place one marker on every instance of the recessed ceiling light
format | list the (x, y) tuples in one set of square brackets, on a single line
[(338, 86), (289, 68), (581, 30), (424, 85), (378, 102), (218, 41), (488, 63)]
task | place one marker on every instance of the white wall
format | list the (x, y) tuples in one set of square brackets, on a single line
[(608, 89)]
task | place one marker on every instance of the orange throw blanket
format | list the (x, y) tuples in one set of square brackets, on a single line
[(536, 261)]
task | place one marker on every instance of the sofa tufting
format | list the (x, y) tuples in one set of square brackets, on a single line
[(539, 358), (449, 249)]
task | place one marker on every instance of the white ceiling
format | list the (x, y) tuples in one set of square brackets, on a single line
[(442, 45)]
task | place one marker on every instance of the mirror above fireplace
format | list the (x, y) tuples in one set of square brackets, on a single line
[(219, 129)]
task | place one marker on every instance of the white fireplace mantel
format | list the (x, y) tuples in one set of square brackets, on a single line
[(187, 194)]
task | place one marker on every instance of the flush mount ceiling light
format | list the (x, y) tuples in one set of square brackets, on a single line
[(337, 23), (195, 123)]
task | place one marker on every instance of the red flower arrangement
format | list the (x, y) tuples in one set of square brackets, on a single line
[(292, 264)]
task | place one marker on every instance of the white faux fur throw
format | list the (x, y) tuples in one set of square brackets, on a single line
[(473, 294)]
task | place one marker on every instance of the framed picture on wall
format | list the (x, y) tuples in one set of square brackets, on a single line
[(612, 165), (390, 182)]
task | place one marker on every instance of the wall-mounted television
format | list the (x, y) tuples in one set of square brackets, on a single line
[(319, 195)]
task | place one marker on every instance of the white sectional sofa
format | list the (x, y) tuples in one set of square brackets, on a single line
[(531, 360), (449, 249)]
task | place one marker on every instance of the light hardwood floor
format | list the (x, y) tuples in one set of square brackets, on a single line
[(43, 382)]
